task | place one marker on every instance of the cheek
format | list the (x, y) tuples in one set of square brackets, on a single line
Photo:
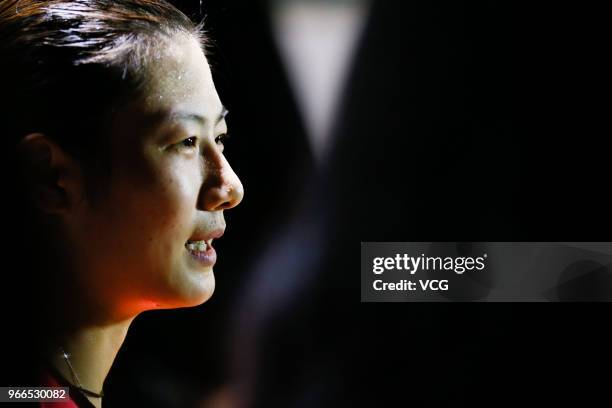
[(150, 207), (141, 231), (163, 270), (177, 187), (167, 199)]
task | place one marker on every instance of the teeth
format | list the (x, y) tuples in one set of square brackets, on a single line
[(197, 246)]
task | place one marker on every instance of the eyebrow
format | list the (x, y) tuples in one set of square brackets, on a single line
[(197, 117)]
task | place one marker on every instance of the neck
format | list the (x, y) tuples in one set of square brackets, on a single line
[(91, 351)]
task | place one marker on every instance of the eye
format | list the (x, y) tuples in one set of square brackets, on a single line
[(221, 139), (189, 142)]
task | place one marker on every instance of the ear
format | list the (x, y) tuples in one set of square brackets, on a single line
[(54, 178)]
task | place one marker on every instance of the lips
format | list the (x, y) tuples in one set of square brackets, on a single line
[(206, 258), (200, 248), (201, 235)]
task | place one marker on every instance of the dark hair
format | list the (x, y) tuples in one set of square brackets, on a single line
[(77, 59), (65, 67)]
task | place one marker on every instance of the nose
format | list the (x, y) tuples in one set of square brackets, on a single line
[(222, 188)]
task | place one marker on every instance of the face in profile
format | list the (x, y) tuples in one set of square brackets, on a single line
[(147, 243)]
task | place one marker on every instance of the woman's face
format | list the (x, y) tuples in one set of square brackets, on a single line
[(146, 244)]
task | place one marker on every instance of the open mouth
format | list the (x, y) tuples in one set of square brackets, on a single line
[(198, 246), (202, 251)]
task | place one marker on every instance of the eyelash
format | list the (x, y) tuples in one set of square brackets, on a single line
[(221, 139), (190, 142)]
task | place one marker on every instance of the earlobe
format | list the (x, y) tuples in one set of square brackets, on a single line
[(53, 177)]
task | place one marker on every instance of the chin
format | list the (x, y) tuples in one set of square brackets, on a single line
[(200, 291), (189, 288)]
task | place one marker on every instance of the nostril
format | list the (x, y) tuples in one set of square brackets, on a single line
[(222, 194)]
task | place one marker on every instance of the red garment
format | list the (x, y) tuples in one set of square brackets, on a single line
[(47, 380), (76, 400)]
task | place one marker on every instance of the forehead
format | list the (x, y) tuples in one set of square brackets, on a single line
[(178, 78)]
